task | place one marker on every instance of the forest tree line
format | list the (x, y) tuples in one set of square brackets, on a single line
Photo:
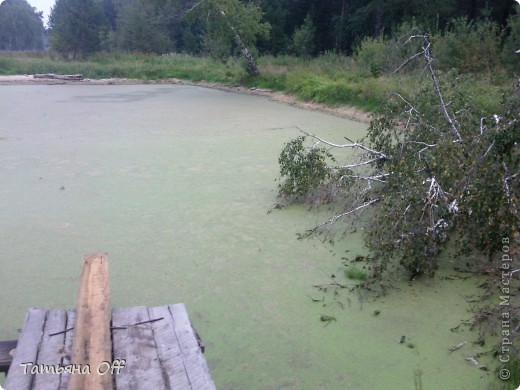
[(78, 28)]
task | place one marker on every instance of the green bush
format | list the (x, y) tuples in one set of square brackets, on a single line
[(303, 38), (302, 169), (512, 43), (370, 55), (329, 78), (472, 47)]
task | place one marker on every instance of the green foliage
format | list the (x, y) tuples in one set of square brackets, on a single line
[(215, 48), (470, 46), (302, 169), (440, 188), (276, 13), (141, 27), (21, 27), (355, 274), (76, 28), (513, 367), (376, 56), (303, 38), (512, 43), (126, 65), (190, 41), (329, 78), (274, 26), (432, 186), (223, 20), (371, 55), (342, 87)]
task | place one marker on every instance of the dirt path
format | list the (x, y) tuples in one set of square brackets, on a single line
[(337, 110)]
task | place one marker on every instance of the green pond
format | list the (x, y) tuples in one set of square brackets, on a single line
[(174, 183)]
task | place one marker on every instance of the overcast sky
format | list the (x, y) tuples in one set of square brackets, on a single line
[(42, 5)]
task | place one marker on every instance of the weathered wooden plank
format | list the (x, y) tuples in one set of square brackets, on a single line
[(92, 344), (5, 354), (74, 77), (159, 354), (67, 355), (194, 362), (27, 350), (136, 345), (168, 350), (51, 349)]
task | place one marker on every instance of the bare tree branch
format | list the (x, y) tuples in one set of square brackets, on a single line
[(408, 60), (426, 51), (507, 188), (402, 216), (355, 165), (412, 108), (351, 145), (482, 126), (421, 143), (188, 10), (368, 178), (333, 220), (195, 6), (429, 59)]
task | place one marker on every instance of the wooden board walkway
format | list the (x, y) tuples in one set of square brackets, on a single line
[(153, 348)]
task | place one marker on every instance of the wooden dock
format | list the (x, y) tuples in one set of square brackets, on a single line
[(153, 348), (97, 348)]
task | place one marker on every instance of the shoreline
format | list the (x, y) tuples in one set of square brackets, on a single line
[(342, 111)]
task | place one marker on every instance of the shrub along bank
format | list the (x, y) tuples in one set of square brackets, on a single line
[(329, 78)]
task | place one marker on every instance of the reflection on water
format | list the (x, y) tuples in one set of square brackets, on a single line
[(174, 182)]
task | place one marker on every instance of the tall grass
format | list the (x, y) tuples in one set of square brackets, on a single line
[(127, 65), (329, 78)]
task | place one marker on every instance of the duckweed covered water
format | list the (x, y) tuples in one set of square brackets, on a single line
[(175, 182)]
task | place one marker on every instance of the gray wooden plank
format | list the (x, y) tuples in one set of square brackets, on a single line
[(92, 346), (67, 355), (51, 349), (136, 345), (168, 349), (26, 350), (194, 361), (5, 354)]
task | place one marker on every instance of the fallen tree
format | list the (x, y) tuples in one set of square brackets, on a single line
[(74, 77), (432, 168)]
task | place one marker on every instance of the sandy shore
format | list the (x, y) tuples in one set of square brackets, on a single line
[(337, 110)]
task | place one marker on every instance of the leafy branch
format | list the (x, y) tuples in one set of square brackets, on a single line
[(431, 170)]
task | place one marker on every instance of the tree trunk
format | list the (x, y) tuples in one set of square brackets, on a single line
[(251, 64), (378, 31), (340, 28)]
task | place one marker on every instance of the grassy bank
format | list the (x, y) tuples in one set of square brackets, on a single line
[(330, 78)]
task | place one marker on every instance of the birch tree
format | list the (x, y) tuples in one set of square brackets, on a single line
[(231, 24), (432, 169)]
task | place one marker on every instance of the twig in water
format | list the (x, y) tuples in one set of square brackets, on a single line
[(458, 346)]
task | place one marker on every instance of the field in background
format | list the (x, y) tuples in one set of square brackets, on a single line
[(329, 78)]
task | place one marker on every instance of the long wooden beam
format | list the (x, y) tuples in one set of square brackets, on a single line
[(92, 345)]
